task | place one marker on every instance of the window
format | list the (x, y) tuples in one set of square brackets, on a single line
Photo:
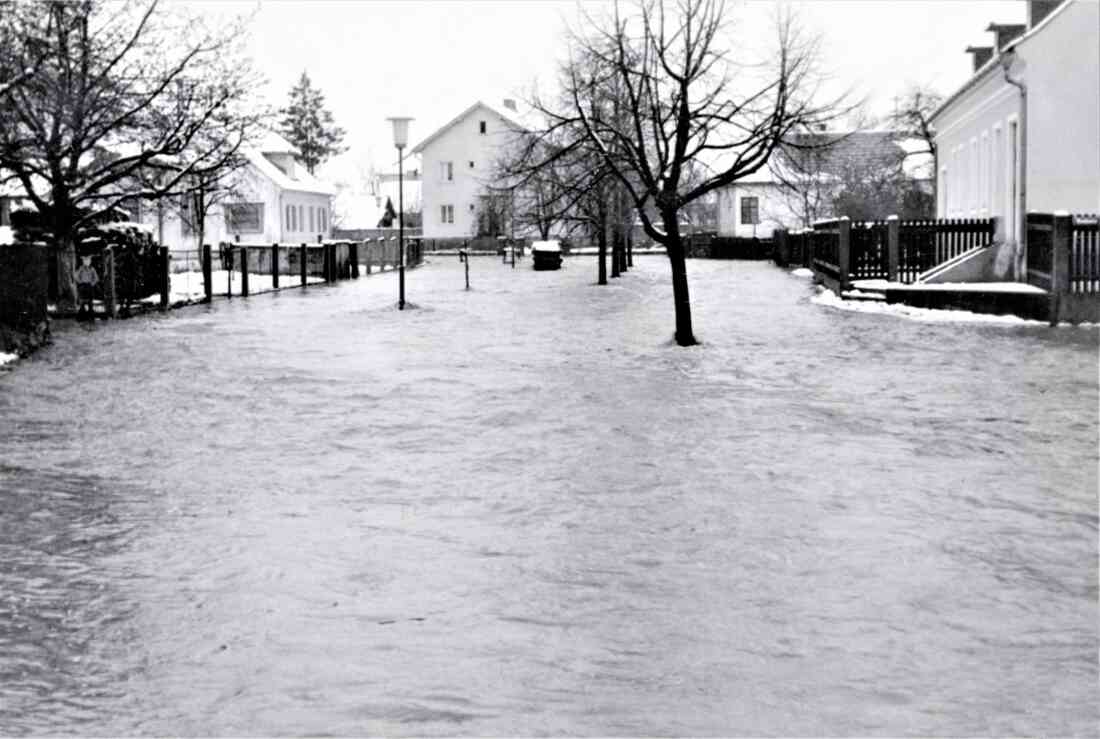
[(288, 224), (750, 210), (311, 227), (301, 218), (447, 213), (324, 218), (244, 218), (471, 165), (446, 171), (481, 127)]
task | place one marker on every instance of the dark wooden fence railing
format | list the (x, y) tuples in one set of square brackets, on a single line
[(898, 251), (268, 267), (1040, 249), (868, 251), (1084, 267), (825, 243)]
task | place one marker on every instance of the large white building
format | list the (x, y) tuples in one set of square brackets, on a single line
[(1023, 134), (457, 166)]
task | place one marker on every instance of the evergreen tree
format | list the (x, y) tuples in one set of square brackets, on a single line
[(389, 216), (309, 125)]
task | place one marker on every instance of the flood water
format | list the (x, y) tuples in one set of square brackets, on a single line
[(521, 510)]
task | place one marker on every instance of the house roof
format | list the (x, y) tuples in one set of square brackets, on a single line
[(995, 62), (302, 181), (274, 143), (510, 118)]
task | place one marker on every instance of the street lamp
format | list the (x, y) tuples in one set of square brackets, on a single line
[(400, 140)]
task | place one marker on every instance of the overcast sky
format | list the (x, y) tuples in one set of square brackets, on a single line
[(431, 59)]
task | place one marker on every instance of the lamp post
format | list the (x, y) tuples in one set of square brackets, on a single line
[(400, 140)]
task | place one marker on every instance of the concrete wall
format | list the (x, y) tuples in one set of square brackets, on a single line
[(462, 144)]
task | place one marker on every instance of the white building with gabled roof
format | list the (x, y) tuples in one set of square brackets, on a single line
[(273, 198), (1023, 133), (458, 164)]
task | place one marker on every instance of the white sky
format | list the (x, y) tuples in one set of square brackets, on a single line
[(431, 59)]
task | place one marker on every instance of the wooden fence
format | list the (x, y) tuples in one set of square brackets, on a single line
[(1063, 257), (893, 250), (302, 264)]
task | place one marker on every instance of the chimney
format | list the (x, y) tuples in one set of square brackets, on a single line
[(1005, 33), (982, 54), (510, 104), (1039, 9)]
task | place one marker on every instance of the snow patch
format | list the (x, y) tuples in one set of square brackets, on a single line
[(802, 272), (7, 358), (830, 299)]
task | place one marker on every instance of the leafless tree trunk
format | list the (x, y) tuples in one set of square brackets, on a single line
[(682, 100)]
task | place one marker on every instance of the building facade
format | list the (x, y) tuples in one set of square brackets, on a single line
[(458, 164), (273, 198), (1023, 134)]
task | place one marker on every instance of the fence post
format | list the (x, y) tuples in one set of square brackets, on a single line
[(366, 246), (244, 271), (844, 233), (207, 273), (893, 245), (275, 265), (110, 301), (228, 249), (781, 255), (303, 265), (353, 257), (165, 278), (1061, 249)]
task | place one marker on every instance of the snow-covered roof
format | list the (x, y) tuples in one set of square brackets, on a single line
[(511, 117), (301, 181), (275, 143)]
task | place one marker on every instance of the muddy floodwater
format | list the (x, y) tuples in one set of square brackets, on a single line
[(522, 510)]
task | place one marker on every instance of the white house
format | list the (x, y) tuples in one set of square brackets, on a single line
[(273, 199), (782, 195), (457, 168), (1023, 133)]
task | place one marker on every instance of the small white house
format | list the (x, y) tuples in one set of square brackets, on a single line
[(457, 168), (1023, 134), (273, 199)]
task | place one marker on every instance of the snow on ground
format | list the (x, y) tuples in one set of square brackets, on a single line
[(830, 299), (7, 358), (6, 235), (802, 272), (984, 287)]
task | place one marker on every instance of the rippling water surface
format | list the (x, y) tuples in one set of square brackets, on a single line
[(521, 510)]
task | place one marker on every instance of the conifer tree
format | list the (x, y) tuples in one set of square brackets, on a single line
[(309, 125)]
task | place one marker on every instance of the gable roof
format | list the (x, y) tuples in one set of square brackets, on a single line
[(462, 116), (302, 181), (994, 61)]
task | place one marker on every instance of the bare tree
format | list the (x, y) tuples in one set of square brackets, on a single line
[(683, 97), (23, 30), (124, 89), (913, 119)]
